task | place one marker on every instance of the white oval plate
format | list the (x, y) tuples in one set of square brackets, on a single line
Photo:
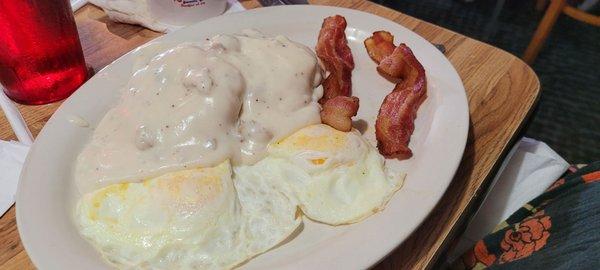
[(46, 196)]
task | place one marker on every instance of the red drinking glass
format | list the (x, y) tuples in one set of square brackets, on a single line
[(41, 60)]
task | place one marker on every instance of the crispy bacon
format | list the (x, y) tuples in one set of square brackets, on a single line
[(338, 111), (395, 122), (380, 45), (332, 48), (402, 64)]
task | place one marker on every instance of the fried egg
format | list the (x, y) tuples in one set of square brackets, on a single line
[(189, 219), (219, 217), (335, 177)]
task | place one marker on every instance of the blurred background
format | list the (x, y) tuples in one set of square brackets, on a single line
[(567, 116)]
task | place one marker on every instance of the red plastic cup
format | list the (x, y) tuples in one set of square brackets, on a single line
[(41, 60)]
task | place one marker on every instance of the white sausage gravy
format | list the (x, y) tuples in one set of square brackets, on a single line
[(200, 104)]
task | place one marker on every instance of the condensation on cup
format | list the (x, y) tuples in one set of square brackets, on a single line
[(179, 13)]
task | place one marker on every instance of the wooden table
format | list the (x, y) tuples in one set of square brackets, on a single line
[(501, 89)]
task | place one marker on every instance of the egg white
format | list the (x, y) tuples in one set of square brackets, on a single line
[(188, 219), (335, 177)]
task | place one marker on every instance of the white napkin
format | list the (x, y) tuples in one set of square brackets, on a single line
[(77, 4), (529, 169), (138, 12), (12, 156), (234, 6)]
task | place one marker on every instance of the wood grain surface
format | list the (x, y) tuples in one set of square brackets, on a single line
[(501, 90)]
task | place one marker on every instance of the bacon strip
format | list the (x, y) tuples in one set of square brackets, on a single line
[(402, 64), (395, 122), (338, 111), (380, 45), (332, 48)]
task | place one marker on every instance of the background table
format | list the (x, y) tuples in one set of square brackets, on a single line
[(501, 90)]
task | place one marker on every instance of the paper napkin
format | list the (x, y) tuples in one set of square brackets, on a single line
[(139, 12), (529, 169), (12, 156)]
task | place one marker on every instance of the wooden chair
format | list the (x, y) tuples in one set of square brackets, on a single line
[(554, 10)]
